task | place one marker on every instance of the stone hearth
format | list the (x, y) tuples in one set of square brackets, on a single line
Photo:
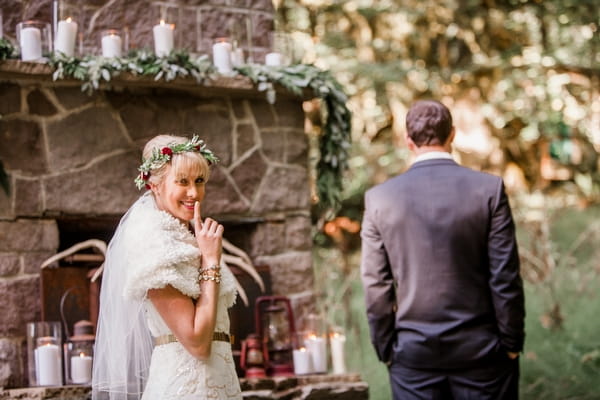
[(311, 387)]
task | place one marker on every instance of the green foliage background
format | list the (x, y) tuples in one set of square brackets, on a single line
[(532, 68)]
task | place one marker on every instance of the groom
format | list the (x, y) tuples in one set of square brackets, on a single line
[(440, 270)]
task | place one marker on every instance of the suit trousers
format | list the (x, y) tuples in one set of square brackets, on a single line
[(496, 381)]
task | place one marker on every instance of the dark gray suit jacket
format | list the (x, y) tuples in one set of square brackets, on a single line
[(440, 268)]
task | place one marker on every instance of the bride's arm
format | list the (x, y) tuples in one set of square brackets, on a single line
[(193, 324)]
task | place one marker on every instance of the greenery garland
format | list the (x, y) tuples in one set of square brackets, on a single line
[(334, 142), (92, 70), (7, 50)]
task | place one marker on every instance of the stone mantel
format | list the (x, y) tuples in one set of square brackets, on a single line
[(235, 86)]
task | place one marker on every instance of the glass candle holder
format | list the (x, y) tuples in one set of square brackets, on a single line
[(66, 37), (281, 49), (79, 354), (315, 341), (114, 43), (237, 54), (35, 40), (44, 353), (337, 341), (164, 38), (222, 51), (78, 362), (303, 363)]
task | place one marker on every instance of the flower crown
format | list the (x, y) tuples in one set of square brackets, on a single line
[(163, 156)]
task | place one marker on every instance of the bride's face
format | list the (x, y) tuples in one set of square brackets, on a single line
[(177, 194)]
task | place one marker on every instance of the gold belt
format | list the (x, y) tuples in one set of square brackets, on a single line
[(170, 338)]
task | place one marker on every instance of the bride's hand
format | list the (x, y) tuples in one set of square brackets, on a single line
[(209, 236)]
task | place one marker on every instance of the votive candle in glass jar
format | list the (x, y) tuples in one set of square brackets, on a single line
[(112, 42)]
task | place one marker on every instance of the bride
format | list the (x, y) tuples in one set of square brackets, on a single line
[(163, 324)]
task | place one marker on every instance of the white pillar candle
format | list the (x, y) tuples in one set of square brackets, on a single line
[(302, 361), (163, 39), (66, 33), (273, 59), (47, 362), (237, 57), (318, 351), (222, 57), (338, 360), (81, 368), (112, 45), (30, 40)]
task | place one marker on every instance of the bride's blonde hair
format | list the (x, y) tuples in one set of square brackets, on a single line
[(185, 164)]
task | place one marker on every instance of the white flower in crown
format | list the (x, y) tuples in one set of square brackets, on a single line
[(162, 156)]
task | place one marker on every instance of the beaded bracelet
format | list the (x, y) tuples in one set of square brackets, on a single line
[(214, 267), (216, 277)]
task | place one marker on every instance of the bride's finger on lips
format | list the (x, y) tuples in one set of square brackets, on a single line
[(197, 215)]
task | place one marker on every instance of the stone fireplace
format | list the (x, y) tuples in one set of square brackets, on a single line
[(71, 159)]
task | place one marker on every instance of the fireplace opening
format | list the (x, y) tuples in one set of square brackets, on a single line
[(68, 295)]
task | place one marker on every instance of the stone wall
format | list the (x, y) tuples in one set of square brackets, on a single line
[(197, 22), (69, 155)]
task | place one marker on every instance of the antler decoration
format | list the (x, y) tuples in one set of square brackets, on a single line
[(233, 255)]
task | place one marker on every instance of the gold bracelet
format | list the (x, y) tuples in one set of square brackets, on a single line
[(216, 277), (213, 267)]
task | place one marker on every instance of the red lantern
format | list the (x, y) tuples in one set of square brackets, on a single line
[(275, 325)]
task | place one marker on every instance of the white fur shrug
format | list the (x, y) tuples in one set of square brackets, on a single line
[(162, 251)]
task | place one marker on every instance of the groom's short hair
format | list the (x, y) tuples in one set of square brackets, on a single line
[(428, 122)]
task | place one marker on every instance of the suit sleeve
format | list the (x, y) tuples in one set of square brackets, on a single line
[(378, 285), (505, 279)]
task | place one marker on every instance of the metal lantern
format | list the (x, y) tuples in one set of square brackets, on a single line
[(275, 325)]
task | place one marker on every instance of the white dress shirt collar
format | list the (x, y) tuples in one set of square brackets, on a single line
[(432, 155)]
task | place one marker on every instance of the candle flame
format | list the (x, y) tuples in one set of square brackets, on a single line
[(162, 21), (82, 354), (302, 349), (69, 19), (312, 336)]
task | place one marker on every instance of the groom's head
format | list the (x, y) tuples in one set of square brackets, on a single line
[(428, 123)]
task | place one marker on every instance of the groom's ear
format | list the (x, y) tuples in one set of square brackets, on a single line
[(450, 138), (409, 142)]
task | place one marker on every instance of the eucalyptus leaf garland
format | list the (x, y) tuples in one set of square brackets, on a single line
[(334, 141), (93, 70), (7, 50)]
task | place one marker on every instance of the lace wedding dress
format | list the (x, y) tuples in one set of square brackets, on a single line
[(152, 249), (175, 374)]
